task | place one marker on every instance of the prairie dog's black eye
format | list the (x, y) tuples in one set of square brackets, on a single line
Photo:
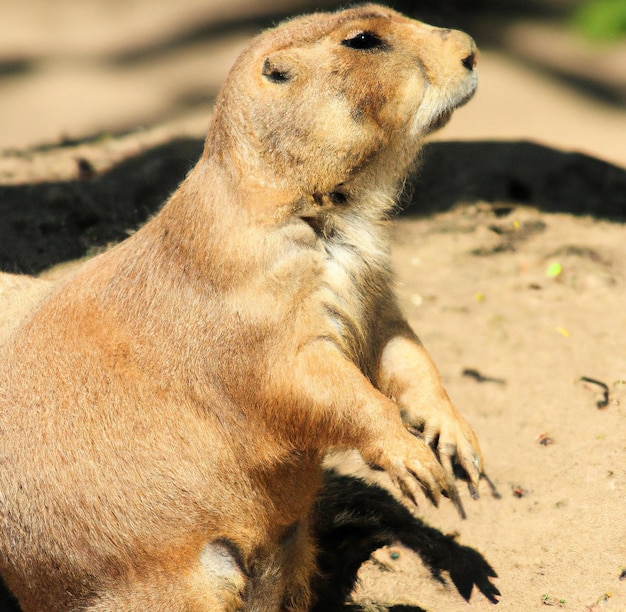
[(365, 41)]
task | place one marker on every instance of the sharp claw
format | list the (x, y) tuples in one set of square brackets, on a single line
[(494, 492), (410, 495), (430, 490), (406, 490), (473, 491), (453, 493), (472, 470), (456, 500)]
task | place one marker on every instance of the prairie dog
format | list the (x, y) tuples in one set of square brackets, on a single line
[(165, 412)]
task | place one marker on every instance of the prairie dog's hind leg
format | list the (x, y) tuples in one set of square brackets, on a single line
[(216, 582), (280, 578)]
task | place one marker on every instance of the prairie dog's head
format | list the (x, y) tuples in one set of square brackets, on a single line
[(324, 99)]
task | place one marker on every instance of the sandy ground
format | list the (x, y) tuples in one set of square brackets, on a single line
[(511, 256)]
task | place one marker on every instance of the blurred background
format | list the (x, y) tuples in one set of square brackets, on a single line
[(551, 71)]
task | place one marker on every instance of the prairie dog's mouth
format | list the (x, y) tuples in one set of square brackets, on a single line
[(438, 122), (442, 118), (465, 99)]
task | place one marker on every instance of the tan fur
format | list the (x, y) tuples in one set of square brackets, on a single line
[(165, 412), (19, 295)]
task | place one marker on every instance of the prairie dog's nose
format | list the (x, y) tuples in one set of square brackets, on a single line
[(469, 61), (464, 43)]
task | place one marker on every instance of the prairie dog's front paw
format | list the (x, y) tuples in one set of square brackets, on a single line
[(445, 430), (411, 465), (409, 376)]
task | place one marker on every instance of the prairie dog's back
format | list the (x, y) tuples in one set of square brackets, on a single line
[(19, 296)]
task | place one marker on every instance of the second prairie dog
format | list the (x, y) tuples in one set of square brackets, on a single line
[(178, 394)]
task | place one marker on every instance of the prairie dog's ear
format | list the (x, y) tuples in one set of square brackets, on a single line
[(276, 69)]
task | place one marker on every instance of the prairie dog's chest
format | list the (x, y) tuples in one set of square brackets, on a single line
[(352, 280), (345, 263), (337, 280), (344, 289)]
